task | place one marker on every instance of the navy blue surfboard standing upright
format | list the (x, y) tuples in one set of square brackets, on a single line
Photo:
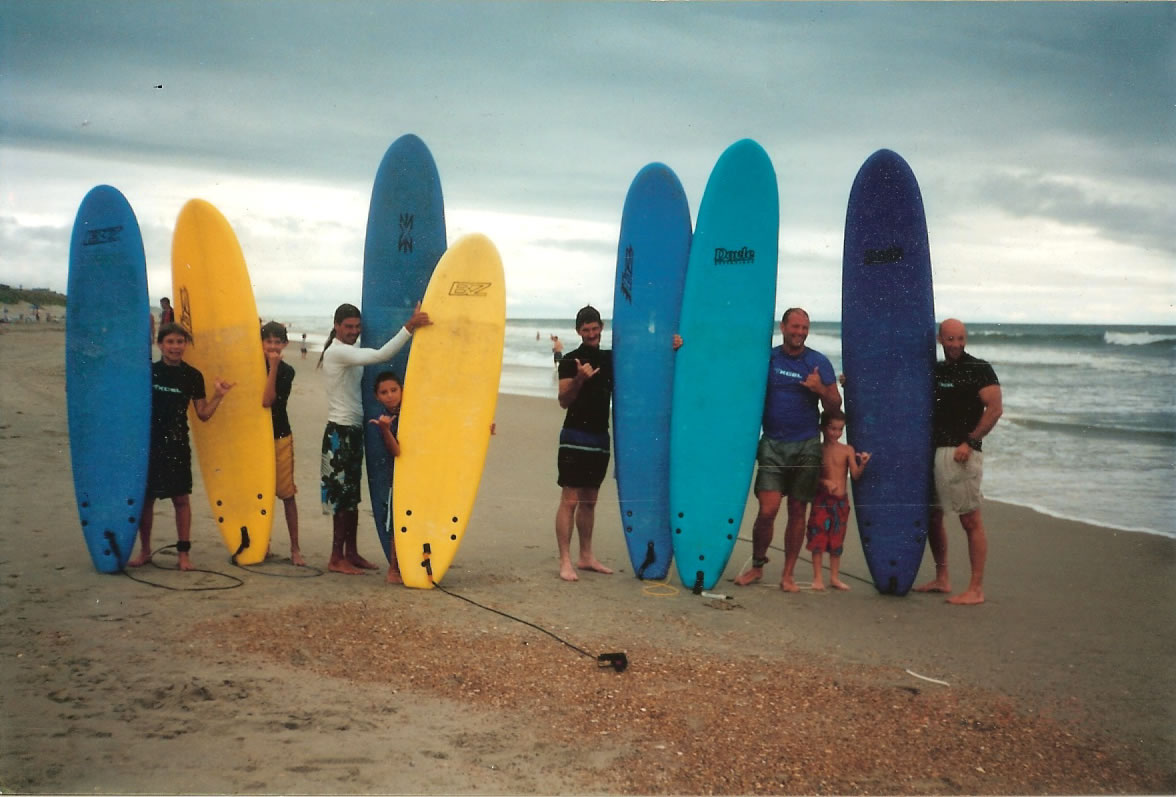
[(888, 353), (652, 254), (405, 239), (108, 374)]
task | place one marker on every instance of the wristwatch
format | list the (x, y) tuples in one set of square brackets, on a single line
[(973, 443)]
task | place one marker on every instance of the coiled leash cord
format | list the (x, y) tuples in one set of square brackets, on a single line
[(618, 661)]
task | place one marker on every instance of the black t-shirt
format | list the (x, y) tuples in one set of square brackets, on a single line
[(590, 411), (172, 388), (282, 388), (957, 398)]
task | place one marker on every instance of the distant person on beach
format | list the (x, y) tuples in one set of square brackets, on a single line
[(968, 403), (585, 391), (166, 314), (556, 348), (390, 391), (174, 384), (789, 454), (830, 510), (304, 345), (279, 382), (342, 464)]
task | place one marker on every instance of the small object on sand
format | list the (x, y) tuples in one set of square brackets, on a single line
[(925, 678), (715, 595)]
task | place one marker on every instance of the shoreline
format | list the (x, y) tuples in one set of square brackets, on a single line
[(1061, 683), (58, 325)]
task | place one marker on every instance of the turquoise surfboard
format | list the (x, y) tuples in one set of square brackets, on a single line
[(888, 351), (405, 239), (108, 374), (651, 267), (721, 371)]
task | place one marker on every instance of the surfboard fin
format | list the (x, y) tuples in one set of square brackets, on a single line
[(650, 558), (698, 583), (244, 544), (426, 552)]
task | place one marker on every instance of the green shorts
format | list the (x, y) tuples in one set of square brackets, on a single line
[(790, 468)]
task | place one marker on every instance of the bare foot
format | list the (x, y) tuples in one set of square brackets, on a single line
[(935, 585), (837, 583), (567, 572), (749, 576), (788, 584), (592, 564), (970, 597), (818, 585), (296, 558), (143, 558), (185, 562), (393, 576), (359, 561), (343, 566)]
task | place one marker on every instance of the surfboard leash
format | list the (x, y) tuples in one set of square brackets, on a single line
[(114, 545), (617, 661), (806, 559)]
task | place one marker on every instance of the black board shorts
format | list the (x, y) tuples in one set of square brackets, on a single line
[(583, 458), (169, 470)]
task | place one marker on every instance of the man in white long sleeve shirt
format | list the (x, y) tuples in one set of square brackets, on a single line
[(342, 464)]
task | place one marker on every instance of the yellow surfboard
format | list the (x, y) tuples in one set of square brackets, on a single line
[(214, 301), (450, 392)]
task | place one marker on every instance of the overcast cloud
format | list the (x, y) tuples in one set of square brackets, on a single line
[(1041, 134)]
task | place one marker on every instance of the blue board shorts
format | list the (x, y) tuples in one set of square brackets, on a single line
[(342, 468), (790, 468)]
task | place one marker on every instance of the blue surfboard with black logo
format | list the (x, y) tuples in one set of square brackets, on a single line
[(108, 374), (652, 254), (405, 239), (721, 371), (888, 352)]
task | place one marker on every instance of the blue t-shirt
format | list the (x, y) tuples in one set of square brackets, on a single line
[(791, 411)]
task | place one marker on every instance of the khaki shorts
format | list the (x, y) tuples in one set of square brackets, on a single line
[(284, 453), (957, 485), (793, 469)]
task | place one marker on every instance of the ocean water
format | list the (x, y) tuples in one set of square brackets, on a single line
[(1089, 426)]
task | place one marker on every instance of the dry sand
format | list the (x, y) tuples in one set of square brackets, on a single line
[(1062, 683)]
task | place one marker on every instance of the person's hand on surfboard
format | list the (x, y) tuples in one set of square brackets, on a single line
[(417, 320)]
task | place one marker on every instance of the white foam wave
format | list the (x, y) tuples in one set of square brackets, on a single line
[(1136, 338)]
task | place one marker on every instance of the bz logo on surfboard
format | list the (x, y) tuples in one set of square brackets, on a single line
[(469, 288)]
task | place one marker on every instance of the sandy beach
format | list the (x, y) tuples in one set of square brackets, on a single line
[(288, 680)]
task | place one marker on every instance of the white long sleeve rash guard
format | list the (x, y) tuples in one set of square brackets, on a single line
[(343, 370)]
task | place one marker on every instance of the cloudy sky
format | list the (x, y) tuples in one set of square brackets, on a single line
[(1042, 135)]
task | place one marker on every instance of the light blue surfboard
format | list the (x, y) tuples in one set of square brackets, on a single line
[(651, 267), (888, 351), (108, 374), (405, 239), (721, 370)]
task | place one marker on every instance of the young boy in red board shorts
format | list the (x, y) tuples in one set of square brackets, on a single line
[(830, 511)]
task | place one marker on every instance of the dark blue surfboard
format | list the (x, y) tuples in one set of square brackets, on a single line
[(888, 351), (721, 371), (108, 374), (652, 254), (405, 239)]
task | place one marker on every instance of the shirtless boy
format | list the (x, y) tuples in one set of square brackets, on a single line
[(830, 512)]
